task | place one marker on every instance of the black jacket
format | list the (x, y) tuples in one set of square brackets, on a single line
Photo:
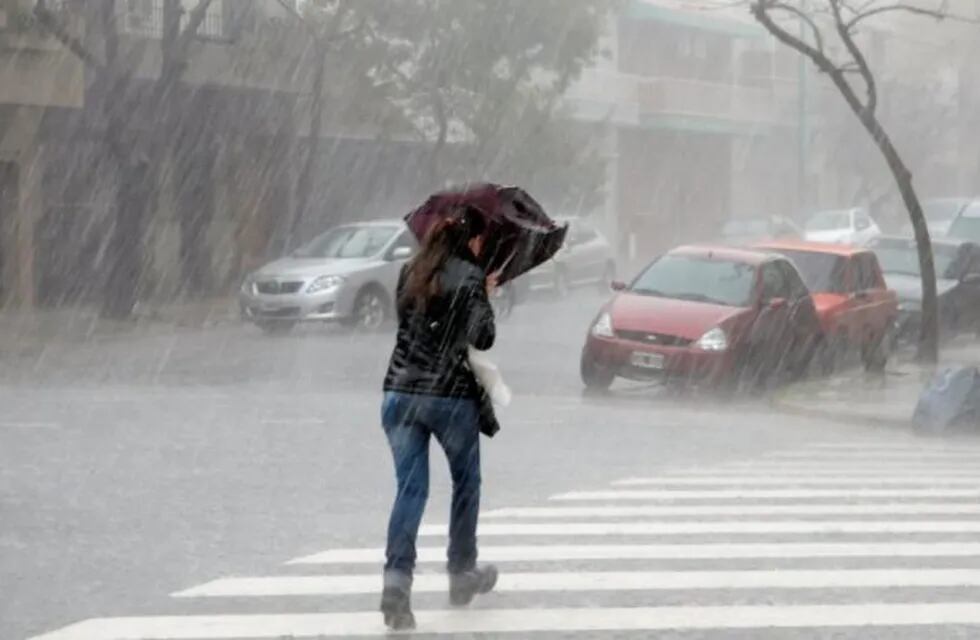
[(430, 356)]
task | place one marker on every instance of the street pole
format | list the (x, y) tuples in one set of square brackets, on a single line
[(801, 127)]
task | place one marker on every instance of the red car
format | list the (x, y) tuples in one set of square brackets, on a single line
[(857, 311), (705, 314)]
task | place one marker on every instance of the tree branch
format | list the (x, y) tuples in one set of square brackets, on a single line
[(938, 14), (802, 15), (194, 21), (862, 63), (52, 25)]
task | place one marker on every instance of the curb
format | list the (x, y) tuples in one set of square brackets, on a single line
[(804, 411)]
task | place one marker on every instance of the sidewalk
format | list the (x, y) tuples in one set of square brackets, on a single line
[(26, 332), (858, 397)]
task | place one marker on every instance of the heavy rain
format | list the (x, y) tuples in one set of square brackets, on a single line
[(489, 319)]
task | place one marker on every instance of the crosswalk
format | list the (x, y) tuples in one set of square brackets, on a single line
[(832, 538)]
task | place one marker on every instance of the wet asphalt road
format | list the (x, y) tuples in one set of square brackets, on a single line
[(135, 467)]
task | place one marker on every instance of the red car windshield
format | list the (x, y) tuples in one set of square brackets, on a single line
[(698, 279), (822, 272)]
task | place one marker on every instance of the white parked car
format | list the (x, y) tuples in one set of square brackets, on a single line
[(842, 226)]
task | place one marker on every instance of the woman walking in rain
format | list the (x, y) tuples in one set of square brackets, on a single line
[(430, 391)]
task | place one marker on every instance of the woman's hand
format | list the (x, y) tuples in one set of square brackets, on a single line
[(492, 283)]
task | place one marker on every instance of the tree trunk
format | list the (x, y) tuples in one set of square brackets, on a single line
[(126, 241), (928, 348), (304, 185)]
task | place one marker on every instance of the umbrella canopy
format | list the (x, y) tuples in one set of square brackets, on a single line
[(519, 237)]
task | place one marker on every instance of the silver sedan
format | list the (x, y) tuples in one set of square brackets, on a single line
[(347, 275)]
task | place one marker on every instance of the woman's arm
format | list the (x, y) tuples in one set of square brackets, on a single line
[(481, 330)]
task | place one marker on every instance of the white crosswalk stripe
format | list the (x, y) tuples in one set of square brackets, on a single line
[(877, 520)]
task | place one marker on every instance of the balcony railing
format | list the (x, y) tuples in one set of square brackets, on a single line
[(642, 97)]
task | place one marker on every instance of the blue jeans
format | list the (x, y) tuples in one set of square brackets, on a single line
[(408, 422)]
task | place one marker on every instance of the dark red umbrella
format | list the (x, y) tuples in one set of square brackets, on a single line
[(520, 235)]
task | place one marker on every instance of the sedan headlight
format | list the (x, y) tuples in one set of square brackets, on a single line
[(603, 327), (714, 340), (324, 283), (248, 284)]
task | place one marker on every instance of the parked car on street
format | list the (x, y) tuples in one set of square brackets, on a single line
[(743, 231), (347, 275), (966, 224), (857, 310), (706, 314), (957, 283), (940, 214), (842, 226), (585, 259)]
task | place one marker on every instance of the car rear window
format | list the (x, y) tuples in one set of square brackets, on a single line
[(822, 272), (829, 220), (698, 279)]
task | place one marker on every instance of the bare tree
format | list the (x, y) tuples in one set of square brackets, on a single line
[(132, 119), (328, 24), (852, 75)]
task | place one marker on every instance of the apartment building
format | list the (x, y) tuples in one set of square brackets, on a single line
[(706, 117)]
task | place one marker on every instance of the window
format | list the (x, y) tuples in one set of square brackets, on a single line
[(144, 17), (829, 221), (697, 279), (361, 241), (864, 270), (797, 288), (822, 272), (406, 239), (774, 283)]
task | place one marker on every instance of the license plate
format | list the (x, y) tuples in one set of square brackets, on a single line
[(645, 360)]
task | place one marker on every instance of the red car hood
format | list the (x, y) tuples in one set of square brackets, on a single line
[(682, 318)]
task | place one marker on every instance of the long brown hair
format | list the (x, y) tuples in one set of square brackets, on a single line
[(446, 238)]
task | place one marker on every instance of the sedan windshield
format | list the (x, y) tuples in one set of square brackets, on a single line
[(944, 209), (829, 221), (822, 272), (967, 225), (900, 256), (348, 242), (699, 279)]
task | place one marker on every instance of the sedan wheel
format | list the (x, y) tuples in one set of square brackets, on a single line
[(370, 310)]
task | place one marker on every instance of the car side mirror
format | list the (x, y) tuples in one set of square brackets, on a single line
[(617, 285), (401, 253)]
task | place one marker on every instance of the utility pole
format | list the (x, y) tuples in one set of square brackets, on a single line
[(802, 125)]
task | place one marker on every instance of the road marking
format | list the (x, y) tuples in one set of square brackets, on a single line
[(820, 470), (252, 587), (293, 421), (897, 508), (473, 621), (726, 494), (959, 456), (30, 425), (799, 480), (709, 551), (670, 528), (871, 447)]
